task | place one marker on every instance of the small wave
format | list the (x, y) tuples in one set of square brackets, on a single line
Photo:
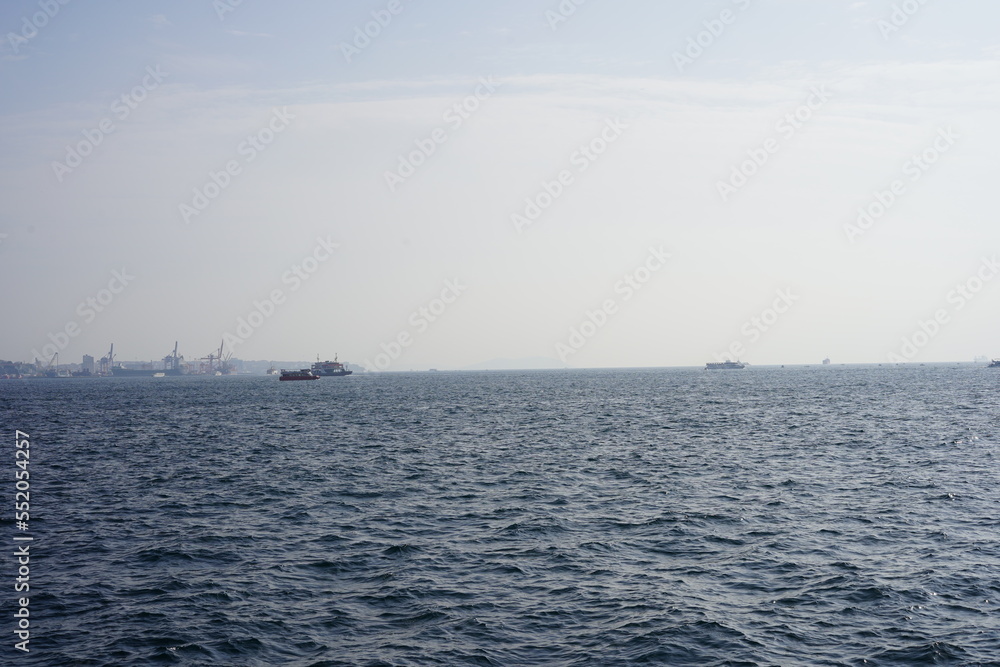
[(400, 550)]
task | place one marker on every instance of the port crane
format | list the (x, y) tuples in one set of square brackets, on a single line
[(224, 366), (106, 362), (173, 361), (52, 369)]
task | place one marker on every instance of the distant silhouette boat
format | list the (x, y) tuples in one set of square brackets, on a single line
[(994, 364)]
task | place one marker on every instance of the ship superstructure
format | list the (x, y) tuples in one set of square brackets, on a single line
[(329, 368)]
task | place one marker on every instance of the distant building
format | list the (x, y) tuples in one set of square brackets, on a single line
[(88, 364)]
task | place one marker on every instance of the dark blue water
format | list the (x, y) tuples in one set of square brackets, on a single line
[(824, 516)]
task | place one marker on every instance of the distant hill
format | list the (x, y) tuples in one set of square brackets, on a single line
[(524, 363)]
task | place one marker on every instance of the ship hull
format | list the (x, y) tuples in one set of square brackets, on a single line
[(294, 377), (724, 366), (143, 373)]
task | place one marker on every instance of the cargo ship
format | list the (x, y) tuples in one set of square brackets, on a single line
[(329, 368), (171, 366), (121, 371)]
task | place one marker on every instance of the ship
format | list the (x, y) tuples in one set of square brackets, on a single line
[(121, 371), (171, 366), (826, 362), (724, 365), (995, 363), (329, 368), (304, 374)]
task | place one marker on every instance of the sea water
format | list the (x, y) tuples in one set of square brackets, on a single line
[(830, 515)]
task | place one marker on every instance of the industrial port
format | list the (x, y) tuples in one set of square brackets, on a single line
[(218, 362)]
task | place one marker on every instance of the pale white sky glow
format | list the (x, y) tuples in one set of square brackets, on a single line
[(472, 181)]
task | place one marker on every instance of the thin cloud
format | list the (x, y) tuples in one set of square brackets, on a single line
[(241, 33)]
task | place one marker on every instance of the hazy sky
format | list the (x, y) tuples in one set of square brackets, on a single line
[(628, 183)]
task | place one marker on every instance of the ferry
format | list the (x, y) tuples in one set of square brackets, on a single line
[(329, 368), (994, 364), (304, 374), (724, 365)]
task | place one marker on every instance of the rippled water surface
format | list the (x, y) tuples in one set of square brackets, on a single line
[(809, 516)]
